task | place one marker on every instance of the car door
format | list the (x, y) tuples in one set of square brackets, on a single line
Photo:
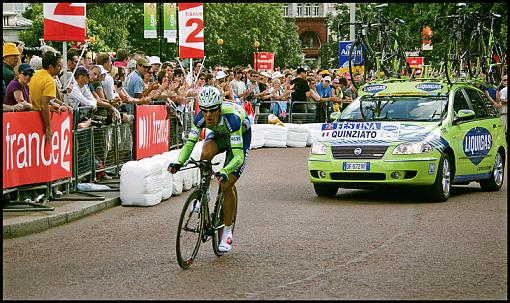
[(472, 139)]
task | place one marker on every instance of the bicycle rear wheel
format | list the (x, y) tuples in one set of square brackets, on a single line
[(498, 66), (218, 222), (392, 57), (189, 231), (360, 65), (452, 60), (476, 54)]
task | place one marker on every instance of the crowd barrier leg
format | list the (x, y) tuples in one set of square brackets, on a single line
[(21, 206)]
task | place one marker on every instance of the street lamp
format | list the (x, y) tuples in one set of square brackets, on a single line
[(220, 44), (256, 44)]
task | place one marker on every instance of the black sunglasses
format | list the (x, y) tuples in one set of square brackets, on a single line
[(211, 110), (28, 74)]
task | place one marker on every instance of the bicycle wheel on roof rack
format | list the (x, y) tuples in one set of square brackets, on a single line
[(498, 66), (360, 65), (476, 54), (452, 60), (393, 61)]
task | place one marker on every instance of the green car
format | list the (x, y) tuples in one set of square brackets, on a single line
[(421, 133)]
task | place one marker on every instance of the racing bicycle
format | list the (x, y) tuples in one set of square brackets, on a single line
[(196, 223), (383, 53), (487, 58), (455, 56)]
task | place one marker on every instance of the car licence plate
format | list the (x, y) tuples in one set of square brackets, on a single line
[(356, 166)]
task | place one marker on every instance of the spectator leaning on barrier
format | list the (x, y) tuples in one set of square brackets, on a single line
[(43, 88), (300, 86), (104, 60), (238, 86), (134, 83), (81, 96), (11, 57), (72, 62), (323, 106), (155, 62), (18, 91)]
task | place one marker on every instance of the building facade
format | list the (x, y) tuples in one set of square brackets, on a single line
[(312, 28), (13, 21)]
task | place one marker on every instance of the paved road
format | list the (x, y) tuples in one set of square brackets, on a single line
[(289, 244)]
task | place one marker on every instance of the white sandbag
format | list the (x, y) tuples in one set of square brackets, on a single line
[(315, 132), (275, 136), (195, 154), (297, 135), (166, 176), (141, 183), (258, 134), (178, 177)]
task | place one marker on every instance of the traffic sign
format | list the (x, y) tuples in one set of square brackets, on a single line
[(191, 30), (65, 22)]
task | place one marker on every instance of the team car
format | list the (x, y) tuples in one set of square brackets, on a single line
[(411, 133)]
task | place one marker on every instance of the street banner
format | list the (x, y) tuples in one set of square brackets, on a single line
[(415, 62), (191, 30), (344, 48), (27, 157), (263, 61), (170, 22), (152, 130), (65, 22), (150, 23)]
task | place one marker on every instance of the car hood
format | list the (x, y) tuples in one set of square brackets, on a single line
[(379, 132)]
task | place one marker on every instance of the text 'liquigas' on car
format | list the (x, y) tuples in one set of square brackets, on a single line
[(422, 133)]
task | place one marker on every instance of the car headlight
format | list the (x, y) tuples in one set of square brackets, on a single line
[(412, 148), (318, 148)]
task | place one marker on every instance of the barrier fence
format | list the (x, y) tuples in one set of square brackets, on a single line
[(102, 150)]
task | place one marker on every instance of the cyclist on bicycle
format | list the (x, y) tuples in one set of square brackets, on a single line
[(231, 132)]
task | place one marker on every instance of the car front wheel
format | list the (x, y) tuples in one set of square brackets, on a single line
[(442, 187), (325, 190)]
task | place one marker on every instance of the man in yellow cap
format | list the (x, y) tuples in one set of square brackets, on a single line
[(11, 59)]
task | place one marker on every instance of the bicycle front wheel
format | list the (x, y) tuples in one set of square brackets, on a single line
[(392, 57), (498, 65), (476, 54), (452, 60), (360, 66), (190, 228), (218, 222)]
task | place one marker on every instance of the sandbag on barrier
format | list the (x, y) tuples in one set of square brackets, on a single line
[(141, 183), (258, 133), (275, 136), (315, 130), (167, 177), (178, 177), (297, 135), (195, 154)]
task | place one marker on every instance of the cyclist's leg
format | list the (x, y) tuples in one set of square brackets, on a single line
[(210, 148), (227, 188)]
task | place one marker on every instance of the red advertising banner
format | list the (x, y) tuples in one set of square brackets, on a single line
[(65, 21), (415, 62), (27, 157), (263, 61), (152, 130), (191, 30)]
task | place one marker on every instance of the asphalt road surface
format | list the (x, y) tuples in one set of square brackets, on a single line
[(288, 244)]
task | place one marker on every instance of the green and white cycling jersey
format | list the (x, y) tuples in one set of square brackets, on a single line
[(233, 125)]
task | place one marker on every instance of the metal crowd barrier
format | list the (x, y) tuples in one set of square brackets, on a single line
[(297, 112)]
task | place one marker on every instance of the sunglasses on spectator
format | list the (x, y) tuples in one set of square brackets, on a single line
[(201, 78), (28, 74)]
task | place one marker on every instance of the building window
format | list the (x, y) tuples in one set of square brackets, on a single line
[(308, 9), (316, 9), (286, 10), (310, 40), (300, 9)]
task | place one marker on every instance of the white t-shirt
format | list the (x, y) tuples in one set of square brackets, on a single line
[(238, 87), (503, 94)]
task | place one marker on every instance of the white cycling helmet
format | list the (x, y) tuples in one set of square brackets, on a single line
[(209, 97)]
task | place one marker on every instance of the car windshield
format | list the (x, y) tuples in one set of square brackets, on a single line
[(396, 108)]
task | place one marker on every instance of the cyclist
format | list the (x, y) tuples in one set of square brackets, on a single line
[(230, 132)]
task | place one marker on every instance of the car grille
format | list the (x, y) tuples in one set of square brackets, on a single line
[(367, 152)]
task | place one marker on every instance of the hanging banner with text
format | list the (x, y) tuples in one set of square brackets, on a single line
[(150, 23), (170, 22), (152, 130), (65, 22), (27, 157), (415, 62), (263, 61), (191, 30), (344, 47)]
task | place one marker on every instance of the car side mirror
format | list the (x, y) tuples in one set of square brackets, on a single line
[(464, 115), (334, 115)]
